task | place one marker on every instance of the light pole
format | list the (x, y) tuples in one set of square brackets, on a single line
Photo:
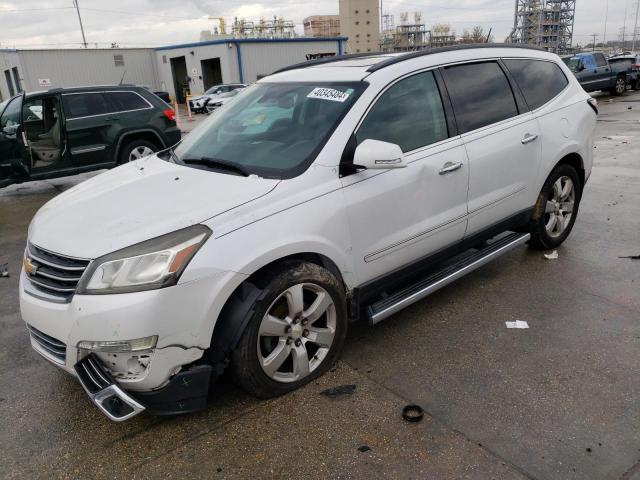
[(84, 40)]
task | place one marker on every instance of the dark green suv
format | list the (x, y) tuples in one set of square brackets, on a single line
[(71, 130)]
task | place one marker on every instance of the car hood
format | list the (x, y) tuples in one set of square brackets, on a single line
[(136, 202)]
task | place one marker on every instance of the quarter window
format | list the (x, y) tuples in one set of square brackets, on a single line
[(409, 114), (125, 101), (539, 81), (84, 105), (481, 95)]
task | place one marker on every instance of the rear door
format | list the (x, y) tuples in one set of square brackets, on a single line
[(88, 121), (501, 139), (604, 74), (15, 161)]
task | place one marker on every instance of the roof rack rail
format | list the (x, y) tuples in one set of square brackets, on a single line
[(453, 48), (321, 61)]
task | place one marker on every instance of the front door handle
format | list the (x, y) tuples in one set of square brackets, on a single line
[(450, 167), (528, 138), (113, 118)]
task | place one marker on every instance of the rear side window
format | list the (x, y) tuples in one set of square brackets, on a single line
[(600, 60), (84, 105), (481, 95), (124, 101), (409, 114), (539, 81)]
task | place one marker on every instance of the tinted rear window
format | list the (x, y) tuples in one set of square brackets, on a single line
[(481, 94), (123, 101), (539, 81), (84, 104)]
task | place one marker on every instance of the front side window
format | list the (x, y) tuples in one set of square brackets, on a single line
[(409, 114), (480, 93), (273, 130), (79, 105), (539, 81), (573, 64), (125, 101), (32, 110), (10, 118)]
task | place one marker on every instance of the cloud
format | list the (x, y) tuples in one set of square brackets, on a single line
[(160, 22)]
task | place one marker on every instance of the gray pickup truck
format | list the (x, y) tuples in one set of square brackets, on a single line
[(594, 72)]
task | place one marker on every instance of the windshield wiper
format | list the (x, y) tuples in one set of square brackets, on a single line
[(218, 163)]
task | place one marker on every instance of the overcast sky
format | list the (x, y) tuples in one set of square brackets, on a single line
[(53, 23)]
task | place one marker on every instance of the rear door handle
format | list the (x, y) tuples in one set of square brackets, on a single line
[(528, 138), (450, 167), (113, 118)]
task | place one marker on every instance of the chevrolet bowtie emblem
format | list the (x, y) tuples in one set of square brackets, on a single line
[(29, 267)]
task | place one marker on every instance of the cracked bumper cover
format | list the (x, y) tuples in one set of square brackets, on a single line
[(185, 392)]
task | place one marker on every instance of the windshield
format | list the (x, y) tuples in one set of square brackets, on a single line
[(273, 130), (213, 90), (573, 63)]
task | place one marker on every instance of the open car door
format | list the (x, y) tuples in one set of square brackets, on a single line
[(15, 158)]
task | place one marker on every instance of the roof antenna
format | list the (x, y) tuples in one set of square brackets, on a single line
[(122, 79)]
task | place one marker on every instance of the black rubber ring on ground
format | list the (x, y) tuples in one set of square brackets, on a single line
[(412, 413)]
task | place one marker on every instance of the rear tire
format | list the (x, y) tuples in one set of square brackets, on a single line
[(296, 332), (556, 209), (135, 150), (620, 88)]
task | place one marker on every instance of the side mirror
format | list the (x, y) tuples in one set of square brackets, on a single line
[(581, 67), (374, 154)]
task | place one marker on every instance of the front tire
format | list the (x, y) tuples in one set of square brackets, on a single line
[(296, 332), (556, 209), (135, 150)]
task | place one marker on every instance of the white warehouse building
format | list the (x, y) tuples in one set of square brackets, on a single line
[(177, 69), (198, 66)]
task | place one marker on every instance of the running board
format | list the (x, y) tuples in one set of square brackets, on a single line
[(386, 307)]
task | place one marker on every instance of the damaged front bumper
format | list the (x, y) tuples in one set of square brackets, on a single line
[(184, 393)]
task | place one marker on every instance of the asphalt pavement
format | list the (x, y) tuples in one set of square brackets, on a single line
[(559, 400)]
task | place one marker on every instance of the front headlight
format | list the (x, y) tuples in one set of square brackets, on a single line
[(155, 263)]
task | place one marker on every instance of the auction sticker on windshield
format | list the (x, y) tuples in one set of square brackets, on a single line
[(332, 94)]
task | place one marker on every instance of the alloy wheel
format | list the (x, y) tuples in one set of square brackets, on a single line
[(140, 152), (296, 333), (559, 208), (621, 85)]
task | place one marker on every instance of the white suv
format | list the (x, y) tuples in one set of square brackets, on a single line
[(334, 190)]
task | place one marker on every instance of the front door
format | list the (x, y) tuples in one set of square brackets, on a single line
[(43, 130), (398, 216), (15, 162), (501, 142), (87, 128)]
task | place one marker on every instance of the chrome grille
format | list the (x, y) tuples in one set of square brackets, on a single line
[(55, 274), (52, 347)]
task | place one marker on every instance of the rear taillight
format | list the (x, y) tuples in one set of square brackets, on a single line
[(593, 103), (635, 67), (170, 114)]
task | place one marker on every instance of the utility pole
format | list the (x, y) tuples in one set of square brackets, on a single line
[(594, 42), (606, 16), (635, 27), (84, 40)]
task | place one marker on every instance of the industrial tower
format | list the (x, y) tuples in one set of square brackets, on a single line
[(545, 23)]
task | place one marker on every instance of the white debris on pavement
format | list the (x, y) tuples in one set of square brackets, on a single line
[(517, 324), (551, 256)]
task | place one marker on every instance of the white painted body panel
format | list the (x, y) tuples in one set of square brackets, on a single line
[(368, 223)]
